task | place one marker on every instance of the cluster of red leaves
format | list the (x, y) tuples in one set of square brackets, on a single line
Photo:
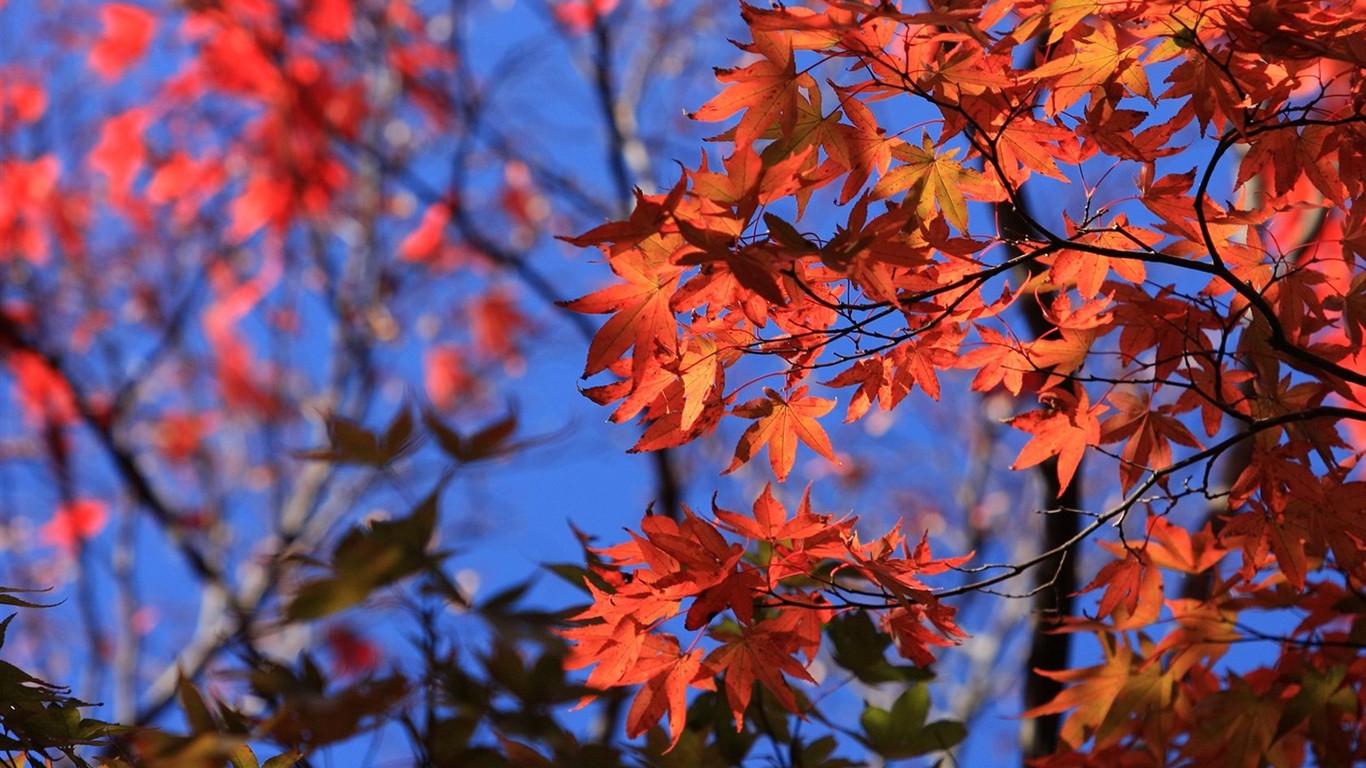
[(1161, 679), (74, 522), (721, 266), (772, 576), (244, 130)]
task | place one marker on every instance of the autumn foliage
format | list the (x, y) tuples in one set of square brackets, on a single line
[(884, 218), (281, 283)]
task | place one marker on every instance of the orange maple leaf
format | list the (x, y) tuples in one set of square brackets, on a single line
[(766, 90), (1131, 582), (1064, 428), (762, 652), (770, 521), (1000, 362), (1105, 695), (666, 692), (780, 423), (1149, 434), (928, 179), (1092, 61), (641, 317)]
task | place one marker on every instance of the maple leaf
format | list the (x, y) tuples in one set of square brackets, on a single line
[(1027, 145), (798, 543), (641, 316), (1175, 548), (1089, 62), (619, 650), (763, 653), (1213, 389), (770, 522), (736, 592), (120, 152), (861, 148), (44, 393), (448, 379), (352, 653), (25, 99), (498, 327), (1103, 696), (756, 268), (701, 371), (74, 523), (234, 300), (580, 16), (1203, 634), (1064, 428), (1061, 356), (329, 20), (182, 180), (1088, 270), (999, 362), (265, 199), (929, 179), (906, 625), (779, 423), (127, 31), (1238, 725), (875, 378), (766, 90), (648, 215), (1131, 582), (665, 693), (423, 243), (1258, 533), (1149, 434)]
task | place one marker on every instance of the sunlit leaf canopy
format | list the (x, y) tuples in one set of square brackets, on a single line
[(284, 332), (1160, 302)]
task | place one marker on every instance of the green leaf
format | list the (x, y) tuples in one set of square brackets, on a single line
[(901, 732), (912, 707), (939, 735), (350, 443), (860, 648), (368, 558), (192, 703)]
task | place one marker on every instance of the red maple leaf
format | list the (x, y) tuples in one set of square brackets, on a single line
[(1064, 428), (641, 316), (665, 692), (779, 423), (579, 16), (329, 20), (74, 523), (127, 31), (352, 653), (762, 652), (424, 242), (120, 153), (448, 378)]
